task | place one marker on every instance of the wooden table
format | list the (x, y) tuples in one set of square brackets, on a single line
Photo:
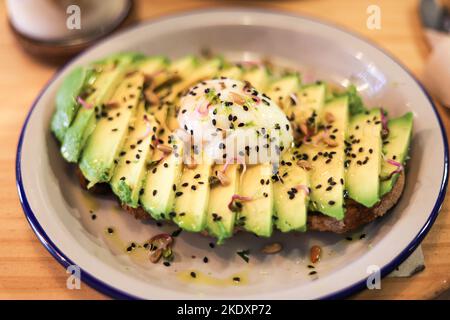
[(28, 271)]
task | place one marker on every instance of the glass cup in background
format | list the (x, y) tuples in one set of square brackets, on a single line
[(61, 28)]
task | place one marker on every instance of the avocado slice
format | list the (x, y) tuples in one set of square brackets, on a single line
[(308, 108), (114, 69), (183, 67), (162, 178), (281, 90), (220, 219), (256, 214), (163, 80), (363, 161), (291, 193), (128, 177), (75, 84), (205, 70), (395, 147), (153, 66), (233, 72), (164, 171), (105, 143), (259, 78), (327, 162), (192, 197)]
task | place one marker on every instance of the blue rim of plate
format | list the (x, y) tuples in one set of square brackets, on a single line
[(105, 288)]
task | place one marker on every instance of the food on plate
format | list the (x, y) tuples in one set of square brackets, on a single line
[(216, 146)]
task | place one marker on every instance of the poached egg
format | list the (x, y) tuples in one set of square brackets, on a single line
[(230, 120)]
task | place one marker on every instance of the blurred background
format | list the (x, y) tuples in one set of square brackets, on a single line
[(39, 36)]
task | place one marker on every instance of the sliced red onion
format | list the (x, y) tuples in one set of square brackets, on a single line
[(203, 111), (293, 96), (230, 161), (148, 128), (313, 141), (238, 197), (303, 188), (84, 103), (397, 164)]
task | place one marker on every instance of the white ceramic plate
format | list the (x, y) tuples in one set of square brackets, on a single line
[(58, 210)]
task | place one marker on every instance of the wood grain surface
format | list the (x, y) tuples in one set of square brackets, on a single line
[(27, 271)]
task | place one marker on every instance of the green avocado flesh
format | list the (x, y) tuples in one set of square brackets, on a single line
[(281, 91), (363, 157), (192, 197), (220, 219), (395, 147), (259, 78), (193, 73), (162, 178), (256, 214), (106, 141), (106, 83), (117, 118), (308, 108), (291, 194), (327, 161), (74, 85)]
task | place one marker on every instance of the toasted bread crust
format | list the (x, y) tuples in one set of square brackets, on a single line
[(139, 213), (99, 188), (356, 215)]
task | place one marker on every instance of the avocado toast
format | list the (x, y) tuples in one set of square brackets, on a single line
[(216, 147)]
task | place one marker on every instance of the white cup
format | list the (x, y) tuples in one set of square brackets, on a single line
[(64, 20)]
